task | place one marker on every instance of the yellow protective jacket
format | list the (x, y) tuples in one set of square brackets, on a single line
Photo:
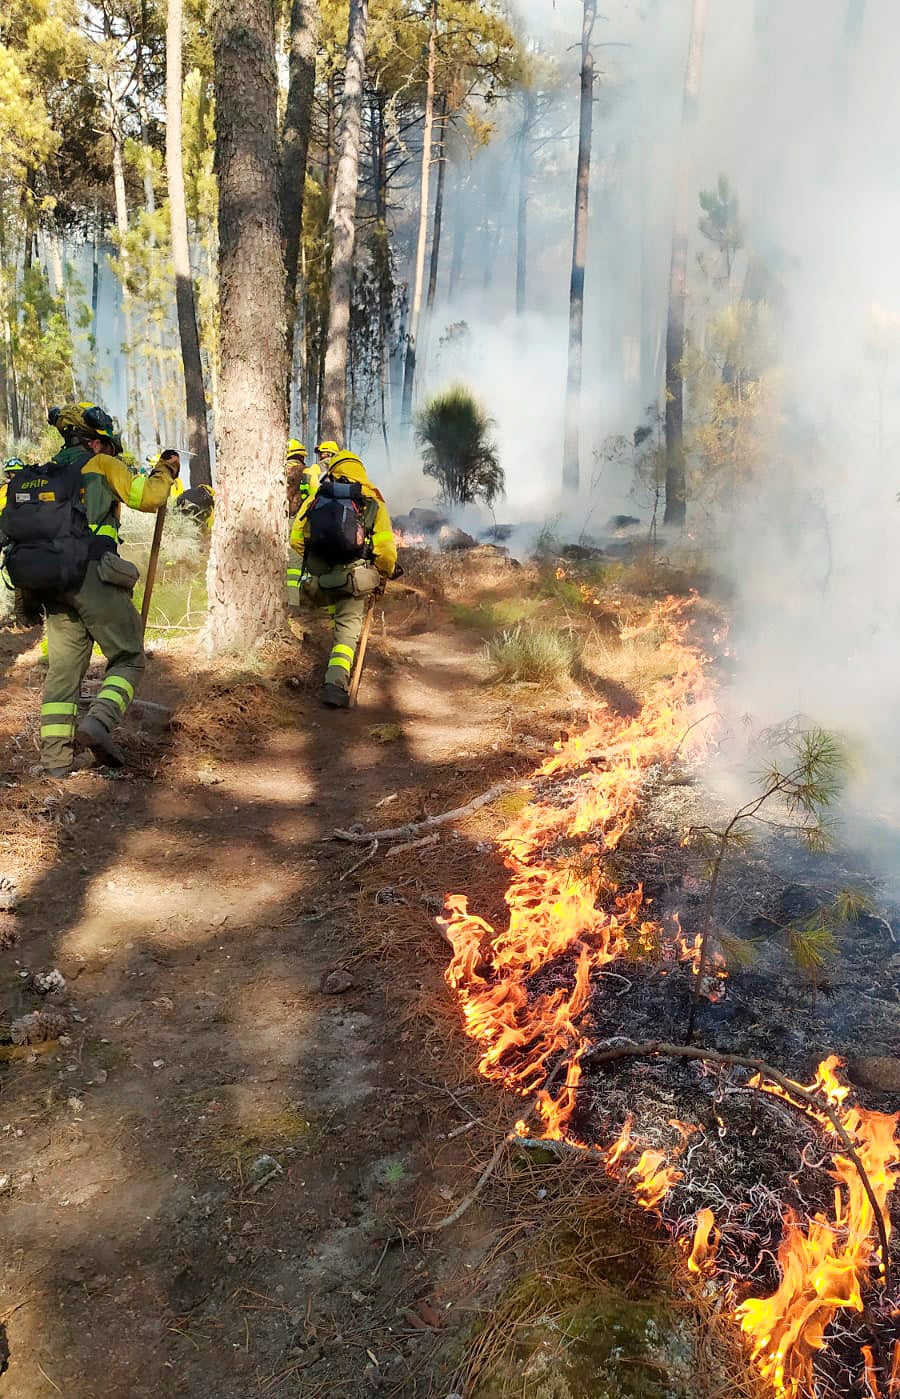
[(108, 484), (347, 467)]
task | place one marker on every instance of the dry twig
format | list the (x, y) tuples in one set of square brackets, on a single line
[(413, 828), (369, 855)]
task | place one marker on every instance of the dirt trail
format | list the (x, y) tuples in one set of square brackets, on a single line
[(197, 917)]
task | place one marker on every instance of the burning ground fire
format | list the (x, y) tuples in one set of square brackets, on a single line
[(563, 904)]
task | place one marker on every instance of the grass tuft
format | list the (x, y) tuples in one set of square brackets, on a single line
[(541, 654)]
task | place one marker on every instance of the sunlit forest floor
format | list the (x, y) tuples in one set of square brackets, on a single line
[(218, 1171)]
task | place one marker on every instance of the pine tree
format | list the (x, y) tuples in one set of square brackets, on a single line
[(249, 548)]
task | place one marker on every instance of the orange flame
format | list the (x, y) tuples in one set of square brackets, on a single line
[(824, 1266), (558, 908), (703, 1252), (555, 909)]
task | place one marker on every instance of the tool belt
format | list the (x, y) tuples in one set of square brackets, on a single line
[(353, 580)]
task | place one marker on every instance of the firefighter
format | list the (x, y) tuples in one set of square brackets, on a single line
[(325, 454), (302, 482), (10, 467), (345, 537), (62, 537), (302, 477), (197, 503)]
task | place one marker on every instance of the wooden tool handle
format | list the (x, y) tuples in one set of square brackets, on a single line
[(154, 559)]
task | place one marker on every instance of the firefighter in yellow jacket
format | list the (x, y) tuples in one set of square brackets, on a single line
[(302, 482), (345, 537), (83, 584)]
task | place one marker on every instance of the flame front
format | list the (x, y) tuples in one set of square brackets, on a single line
[(555, 908), (534, 1035)]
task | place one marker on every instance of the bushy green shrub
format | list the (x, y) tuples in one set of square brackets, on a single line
[(458, 451)]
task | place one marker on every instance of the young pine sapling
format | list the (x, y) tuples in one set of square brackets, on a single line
[(801, 793)]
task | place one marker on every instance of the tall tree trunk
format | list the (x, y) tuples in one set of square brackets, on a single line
[(409, 369), (194, 392), (11, 396), (438, 208), (572, 435), (528, 117), (95, 275), (132, 410), (334, 407), (295, 149), (247, 557), (676, 482)]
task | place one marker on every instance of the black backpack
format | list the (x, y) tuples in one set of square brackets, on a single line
[(339, 522), (46, 540)]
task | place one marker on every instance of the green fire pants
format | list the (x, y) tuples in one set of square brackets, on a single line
[(98, 612), (347, 615)]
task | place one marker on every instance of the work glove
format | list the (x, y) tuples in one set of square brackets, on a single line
[(170, 461)]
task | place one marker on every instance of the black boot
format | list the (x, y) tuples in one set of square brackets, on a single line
[(334, 697), (90, 733)]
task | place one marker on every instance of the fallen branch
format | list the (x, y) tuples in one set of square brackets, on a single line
[(413, 845), (369, 855), (413, 828), (473, 1194), (797, 1097)]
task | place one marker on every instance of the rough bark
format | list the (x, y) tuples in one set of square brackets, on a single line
[(676, 483), (415, 311), (295, 142), (572, 434), (334, 387), (248, 553), (194, 392), (435, 264)]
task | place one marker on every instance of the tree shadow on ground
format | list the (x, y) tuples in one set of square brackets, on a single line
[(196, 919)]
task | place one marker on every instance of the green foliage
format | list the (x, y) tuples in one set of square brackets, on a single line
[(541, 654), (809, 784), (734, 401), (737, 952), (454, 432), (794, 796), (850, 904), (549, 540), (721, 223), (812, 946)]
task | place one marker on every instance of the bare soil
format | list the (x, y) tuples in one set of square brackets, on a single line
[(205, 1178)]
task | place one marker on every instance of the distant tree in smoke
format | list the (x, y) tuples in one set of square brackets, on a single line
[(722, 226), (455, 433)]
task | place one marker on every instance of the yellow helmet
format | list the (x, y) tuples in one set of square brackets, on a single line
[(329, 449), (85, 420), (295, 448)]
